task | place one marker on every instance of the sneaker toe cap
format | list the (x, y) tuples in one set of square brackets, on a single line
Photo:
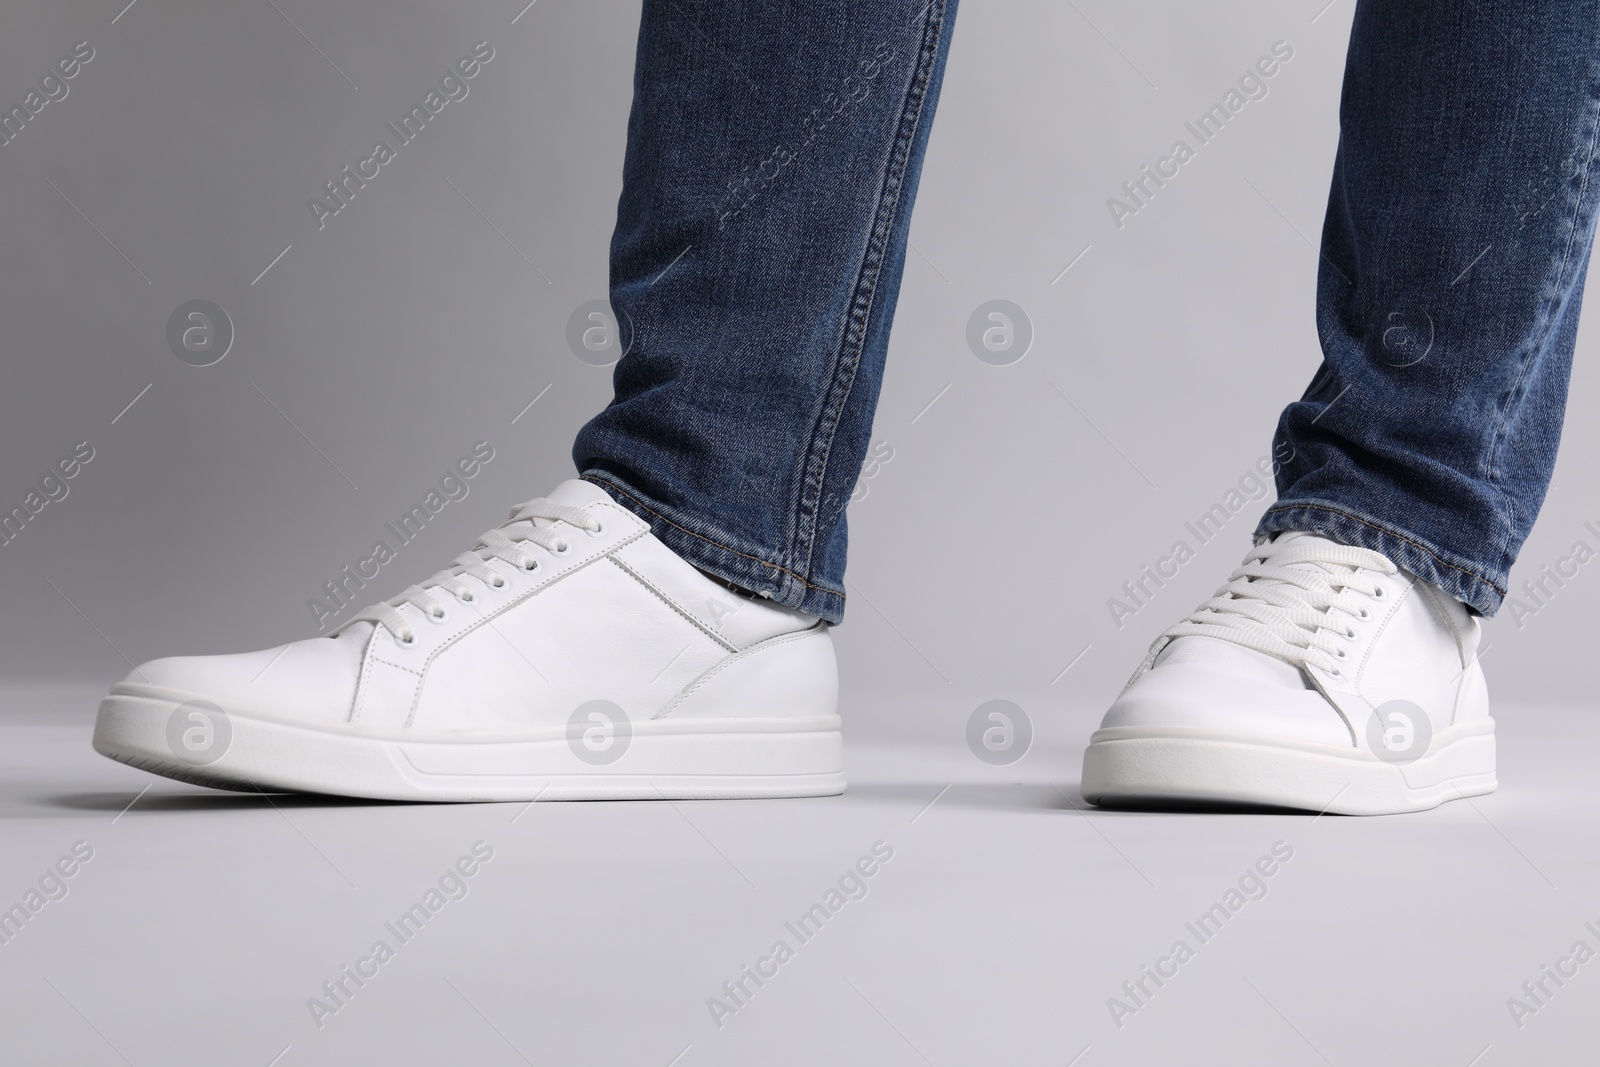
[(314, 679), (1197, 697)]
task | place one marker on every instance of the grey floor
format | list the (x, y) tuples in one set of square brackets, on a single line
[(1006, 919)]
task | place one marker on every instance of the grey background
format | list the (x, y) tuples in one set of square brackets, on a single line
[(982, 555), (409, 328)]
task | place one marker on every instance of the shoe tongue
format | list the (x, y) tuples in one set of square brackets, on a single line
[(356, 635), (1226, 658), (1212, 652), (577, 493), (1305, 541), (572, 493)]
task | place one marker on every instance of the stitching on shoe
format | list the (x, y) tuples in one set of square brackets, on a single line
[(674, 605), (366, 678), (1377, 635), (723, 664), (488, 618)]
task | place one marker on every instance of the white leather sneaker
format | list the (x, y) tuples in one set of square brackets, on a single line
[(568, 655), (1320, 677)]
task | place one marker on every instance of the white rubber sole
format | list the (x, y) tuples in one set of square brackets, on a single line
[(1134, 765), (665, 759)]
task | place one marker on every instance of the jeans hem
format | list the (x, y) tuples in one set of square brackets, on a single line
[(717, 553), (1446, 571)]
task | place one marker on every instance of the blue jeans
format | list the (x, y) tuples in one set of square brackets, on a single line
[(773, 155), (1453, 256)]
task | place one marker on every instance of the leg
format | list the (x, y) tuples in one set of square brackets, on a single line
[(579, 650), (773, 154), (1453, 256), (1337, 670)]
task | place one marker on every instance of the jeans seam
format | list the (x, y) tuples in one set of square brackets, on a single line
[(612, 487), (847, 362), (1574, 218), (1388, 532)]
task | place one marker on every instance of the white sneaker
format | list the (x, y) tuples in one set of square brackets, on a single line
[(568, 655), (1320, 677)]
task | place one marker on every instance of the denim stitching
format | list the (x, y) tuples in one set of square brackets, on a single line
[(1546, 318), (848, 362), (610, 487), (1386, 531)]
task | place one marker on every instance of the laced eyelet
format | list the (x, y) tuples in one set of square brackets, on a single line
[(438, 616), (1334, 673), (598, 531), (407, 641), (1339, 653), (530, 564), (1377, 592), (498, 583), (466, 598), (1350, 634), (1365, 614), (561, 550)]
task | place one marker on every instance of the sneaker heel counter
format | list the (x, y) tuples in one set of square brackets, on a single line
[(1472, 699), (796, 675), (1472, 694)]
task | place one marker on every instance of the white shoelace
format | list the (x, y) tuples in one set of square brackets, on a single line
[(1286, 599), (531, 523)]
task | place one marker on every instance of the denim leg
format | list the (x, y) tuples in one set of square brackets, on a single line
[(1453, 256), (773, 155)]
